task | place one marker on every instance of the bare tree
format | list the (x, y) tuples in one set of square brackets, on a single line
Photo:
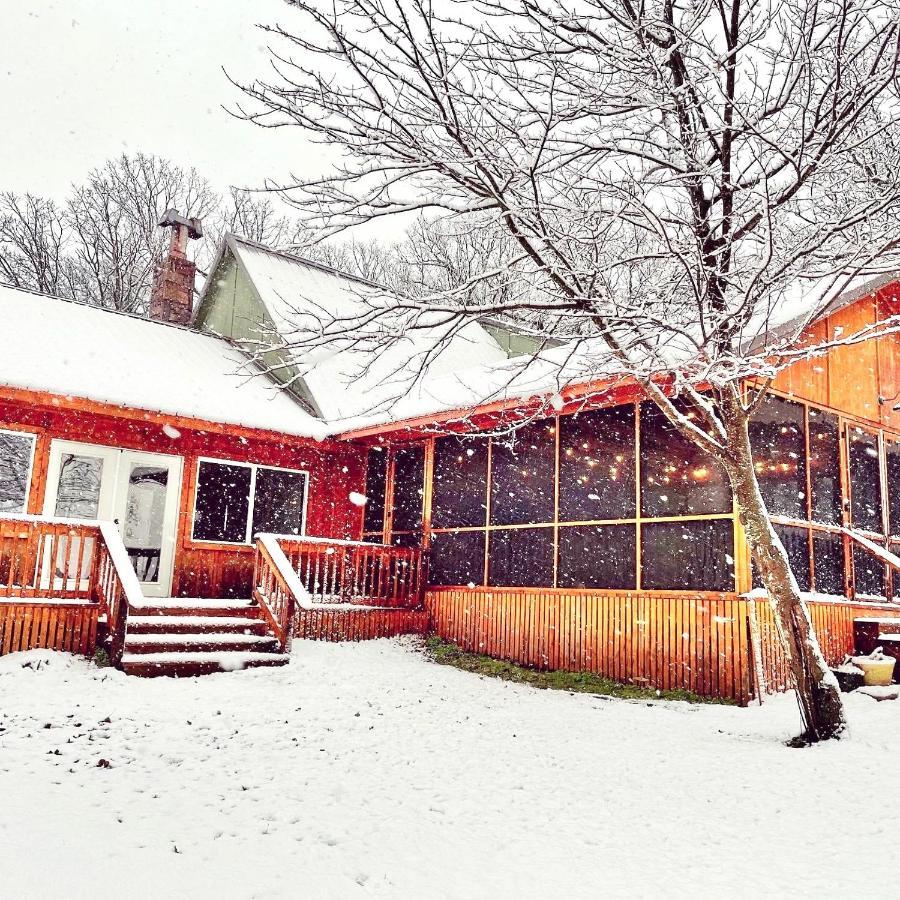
[(670, 175), (113, 219), (255, 218), (33, 244)]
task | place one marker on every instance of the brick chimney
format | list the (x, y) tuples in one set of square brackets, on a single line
[(172, 297)]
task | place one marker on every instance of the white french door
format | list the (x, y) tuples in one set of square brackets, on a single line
[(137, 491)]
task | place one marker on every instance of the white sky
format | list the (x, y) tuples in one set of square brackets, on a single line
[(83, 80)]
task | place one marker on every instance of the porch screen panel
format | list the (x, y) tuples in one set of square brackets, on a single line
[(597, 556), (796, 543), (409, 493), (865, 483), (223, 502), (828, 560), (16, 453), (521, 557), (596, 465), (456, 558), (825, 467), (777, 435), (459, 488), (376, 481), (696, 555), (522, 476), (677, 477), (868, 573), (279, 501), (892, 461)]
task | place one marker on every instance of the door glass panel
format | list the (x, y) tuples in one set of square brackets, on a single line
[(142, 528), (78, 493)]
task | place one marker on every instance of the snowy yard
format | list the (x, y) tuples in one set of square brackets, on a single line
[(364, 770)]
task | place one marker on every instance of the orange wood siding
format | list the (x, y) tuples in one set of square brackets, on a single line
[(53, 626), (693, 642), (851, 379)]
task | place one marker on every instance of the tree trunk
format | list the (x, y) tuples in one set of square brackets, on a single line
[(817, 688)]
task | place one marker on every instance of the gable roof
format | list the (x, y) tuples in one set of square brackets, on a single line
[(350, 373), (73, 349)]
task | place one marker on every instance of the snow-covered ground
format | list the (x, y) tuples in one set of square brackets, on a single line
[(364, 770)]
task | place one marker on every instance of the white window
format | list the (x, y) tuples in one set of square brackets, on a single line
[(16, 463), (235, 501)]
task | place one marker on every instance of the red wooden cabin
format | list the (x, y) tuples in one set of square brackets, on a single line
[(593, 540)]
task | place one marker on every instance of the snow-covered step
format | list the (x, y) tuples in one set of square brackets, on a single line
[(195, 625), (153, 643), (178, 606), (188, 664)]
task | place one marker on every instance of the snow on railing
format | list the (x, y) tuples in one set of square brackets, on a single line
[(880, 553)]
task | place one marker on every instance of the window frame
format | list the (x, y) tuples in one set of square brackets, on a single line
[(29, 478), (248, 528)]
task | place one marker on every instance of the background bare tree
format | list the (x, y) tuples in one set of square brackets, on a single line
[(684, 184), (33, 244), (101, 244)]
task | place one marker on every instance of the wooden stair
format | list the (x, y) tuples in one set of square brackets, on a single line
[(181, 638)]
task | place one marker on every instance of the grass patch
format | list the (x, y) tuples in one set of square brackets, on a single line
[(446, 653)]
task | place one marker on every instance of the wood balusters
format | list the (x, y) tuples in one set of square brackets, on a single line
[(44, 561), (356, 572)]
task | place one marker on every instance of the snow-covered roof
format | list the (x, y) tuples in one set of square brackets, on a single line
[(357, 373), (554, 369), (72, 349)]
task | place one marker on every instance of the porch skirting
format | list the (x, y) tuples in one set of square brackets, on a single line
[(33, 625), (703, 643), (361, 624)]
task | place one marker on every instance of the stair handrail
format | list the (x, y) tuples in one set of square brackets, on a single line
[(117, 586), (277, 589)]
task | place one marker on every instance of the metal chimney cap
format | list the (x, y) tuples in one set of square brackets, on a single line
[(171, 218)]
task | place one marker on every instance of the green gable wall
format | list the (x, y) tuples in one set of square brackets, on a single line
[(232, 308)]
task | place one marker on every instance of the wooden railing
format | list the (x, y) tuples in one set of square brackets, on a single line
[(318, 574), (117, 588), (354, 572), (46, 560), (276, 588)]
